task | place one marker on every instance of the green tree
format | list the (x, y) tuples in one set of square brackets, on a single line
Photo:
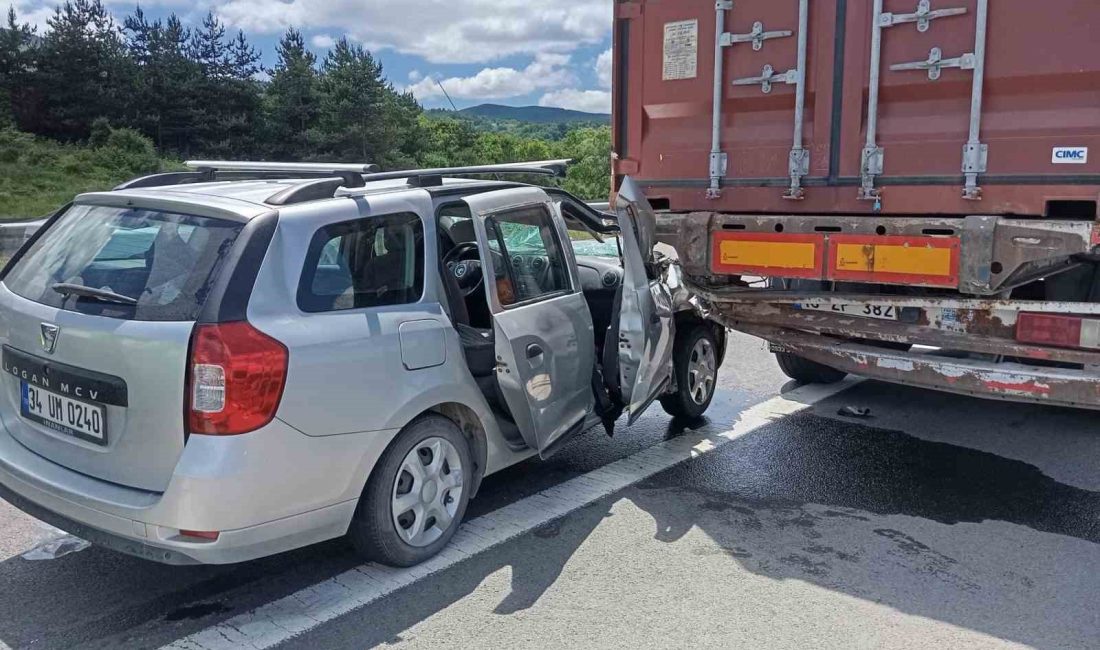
[(291, 101), (166, 81), (229, 96), (589, 176), (447, 143), (16, 61), (83, 71), (361, 116), (352, 104)]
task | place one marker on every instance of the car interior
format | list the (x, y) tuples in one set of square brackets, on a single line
[(520, 273)]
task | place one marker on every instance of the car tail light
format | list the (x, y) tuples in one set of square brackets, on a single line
[(236, 380), (1058, 331)]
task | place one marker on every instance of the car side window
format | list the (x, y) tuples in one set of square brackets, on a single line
[(533, 261), (371, 262)]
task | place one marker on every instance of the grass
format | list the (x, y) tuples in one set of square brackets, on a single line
[(38, 176)]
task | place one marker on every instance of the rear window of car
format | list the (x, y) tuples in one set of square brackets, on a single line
[(373, 262), (164, 261)]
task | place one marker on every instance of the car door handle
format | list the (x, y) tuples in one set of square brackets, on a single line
[(534, 351)]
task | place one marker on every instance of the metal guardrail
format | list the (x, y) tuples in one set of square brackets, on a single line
[(13, 235)]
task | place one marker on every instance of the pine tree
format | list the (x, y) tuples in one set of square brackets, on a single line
[(352, 104), (17, 51), (165, 79), (83, 70), (291, 100)]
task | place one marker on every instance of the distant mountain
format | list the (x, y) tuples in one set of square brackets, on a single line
[(533, 114)]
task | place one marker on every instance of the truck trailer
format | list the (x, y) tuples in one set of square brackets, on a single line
[(897, 189)]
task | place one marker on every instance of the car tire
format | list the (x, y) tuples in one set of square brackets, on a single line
[(695, 357), (382, 534), (805, 371)]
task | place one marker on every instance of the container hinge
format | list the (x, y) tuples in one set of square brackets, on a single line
[(799, 167), (719, 167), (871, 166), (768, 77), (923, 17), (757, 36), (936, 63), (975, 161)]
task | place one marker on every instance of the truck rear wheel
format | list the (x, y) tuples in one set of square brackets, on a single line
[(805, 371)]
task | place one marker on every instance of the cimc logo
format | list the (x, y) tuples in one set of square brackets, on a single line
[(1070, 156)]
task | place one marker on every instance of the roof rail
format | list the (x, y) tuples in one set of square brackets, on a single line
[(542, 167)]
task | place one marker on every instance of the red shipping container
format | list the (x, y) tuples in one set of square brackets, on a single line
[(1007, 90)]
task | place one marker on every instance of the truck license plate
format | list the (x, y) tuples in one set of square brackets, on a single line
[(878, 312), (65, 415)]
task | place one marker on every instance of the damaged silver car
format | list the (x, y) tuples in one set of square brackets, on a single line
[(222, 364)]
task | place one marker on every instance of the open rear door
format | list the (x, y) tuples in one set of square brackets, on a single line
[(646, 325), (542, 326)]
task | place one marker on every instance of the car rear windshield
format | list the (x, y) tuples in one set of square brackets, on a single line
[(164, 263)]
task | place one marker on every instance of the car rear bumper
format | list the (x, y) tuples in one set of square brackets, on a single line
[(230, 547), (263, 495)]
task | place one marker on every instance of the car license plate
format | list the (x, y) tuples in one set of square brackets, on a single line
[(878, 312), (65, 415)]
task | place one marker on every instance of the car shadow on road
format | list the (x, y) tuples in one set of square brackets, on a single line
[(929, 529), (99, 597)]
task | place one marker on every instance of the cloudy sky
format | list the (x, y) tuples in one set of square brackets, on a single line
[(516, 52)]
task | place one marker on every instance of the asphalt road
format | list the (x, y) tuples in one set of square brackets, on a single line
[(936, 521)]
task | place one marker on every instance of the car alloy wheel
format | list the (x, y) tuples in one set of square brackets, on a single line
[(702, 370)]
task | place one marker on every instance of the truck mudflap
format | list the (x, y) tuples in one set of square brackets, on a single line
[(985, 379)]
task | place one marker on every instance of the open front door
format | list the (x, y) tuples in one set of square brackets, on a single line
[(646, 325), (544, 336)]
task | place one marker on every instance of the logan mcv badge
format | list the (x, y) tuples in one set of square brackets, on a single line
[(48, 338)]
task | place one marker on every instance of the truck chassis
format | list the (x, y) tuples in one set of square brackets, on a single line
[(1006, 311)]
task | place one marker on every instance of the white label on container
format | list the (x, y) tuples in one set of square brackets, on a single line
[(681, 50), (1070, 156)]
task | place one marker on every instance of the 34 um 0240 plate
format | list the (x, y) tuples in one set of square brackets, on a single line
[(63, 414)]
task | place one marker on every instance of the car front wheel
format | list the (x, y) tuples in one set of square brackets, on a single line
[(695, 364), (416, 496)]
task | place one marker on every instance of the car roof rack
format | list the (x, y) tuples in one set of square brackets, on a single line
[(322, 189), (334, 179), (206, 171)]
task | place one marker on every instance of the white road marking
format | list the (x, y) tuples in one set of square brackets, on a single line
[(293, 615)]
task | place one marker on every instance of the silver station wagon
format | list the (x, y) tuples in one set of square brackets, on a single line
[(221, 364)]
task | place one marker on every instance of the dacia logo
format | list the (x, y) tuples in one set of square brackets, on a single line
[(48, 337)]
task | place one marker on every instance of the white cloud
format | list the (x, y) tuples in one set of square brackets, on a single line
[(33, 13), (415, 76), (603, 69), (322, 41), (546, 71), (589, 101), (442, 31)]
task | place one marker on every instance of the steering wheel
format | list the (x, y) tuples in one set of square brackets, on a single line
[(468, 274)]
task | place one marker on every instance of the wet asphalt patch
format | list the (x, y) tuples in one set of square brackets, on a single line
[(846, 465)]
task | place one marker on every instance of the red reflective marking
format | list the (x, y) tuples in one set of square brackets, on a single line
[(1031, 386)]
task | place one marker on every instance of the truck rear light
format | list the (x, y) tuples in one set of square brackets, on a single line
[(236, 379), (204, 535), (1058, 331)]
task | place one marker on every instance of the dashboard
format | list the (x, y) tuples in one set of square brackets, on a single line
[(596, 273), (599, 273)]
